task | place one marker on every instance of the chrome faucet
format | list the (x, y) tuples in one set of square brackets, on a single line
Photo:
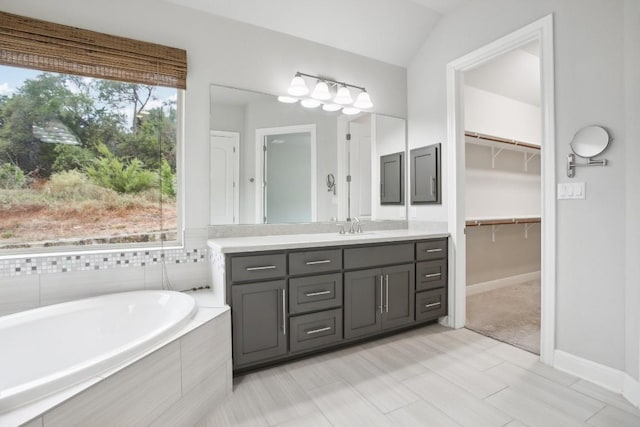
[(357, 229)]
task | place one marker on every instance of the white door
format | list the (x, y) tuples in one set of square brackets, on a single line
[(224, 165)]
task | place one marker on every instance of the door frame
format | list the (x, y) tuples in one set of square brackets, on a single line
[(235, 140), (541, 30), (260, 135)]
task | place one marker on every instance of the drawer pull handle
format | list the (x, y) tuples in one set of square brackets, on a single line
[(434, 250), (264, 267), (433, 304), (322, 261), (428, 276), (315, 331), (315, 294)]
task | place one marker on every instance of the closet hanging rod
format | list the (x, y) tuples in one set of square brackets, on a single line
[(502, 221), (501, 140)]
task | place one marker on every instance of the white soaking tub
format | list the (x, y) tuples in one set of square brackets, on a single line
[(47, 349)]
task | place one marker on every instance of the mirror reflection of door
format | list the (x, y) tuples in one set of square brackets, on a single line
[(224, 165), (288, 175), (359, 163)]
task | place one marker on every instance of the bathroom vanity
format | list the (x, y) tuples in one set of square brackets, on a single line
[(293, 295)]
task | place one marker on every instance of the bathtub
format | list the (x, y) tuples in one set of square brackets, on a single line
[(48, 349)]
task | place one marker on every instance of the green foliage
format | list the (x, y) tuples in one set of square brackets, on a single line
[(71, 157), (73, 185), (167, 179), (11, 177), (111, 172)]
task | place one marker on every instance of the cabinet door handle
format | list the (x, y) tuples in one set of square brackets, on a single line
[(322, 261), (263, 267), (433, 185), (433, 304), (380, 307), (315, 331), (284, 312), (433, 250), (315, 294), (428, 276), (386, 280)]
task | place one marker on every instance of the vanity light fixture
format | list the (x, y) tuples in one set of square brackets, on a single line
[(310, 103), (323, 91), (288, 99), (298, 86), (350, 111), (343, 97), (363, 101), (331, 107)]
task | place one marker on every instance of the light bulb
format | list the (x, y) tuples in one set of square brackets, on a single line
[(310, 103), (321, 91), (343, 97), (363, 101), (287, 99), (298, 87), (350, 111), (331, 107)]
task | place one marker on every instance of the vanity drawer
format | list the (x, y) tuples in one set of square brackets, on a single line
[(432, 249), (315, 293), (315, 330), (431, 304), (374, 256), (431, 274), (258, 267), (311, 262)]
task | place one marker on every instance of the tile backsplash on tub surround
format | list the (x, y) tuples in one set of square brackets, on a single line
[(34, 281), (94, 261)]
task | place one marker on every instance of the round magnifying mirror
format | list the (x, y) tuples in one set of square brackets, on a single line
[(590, 141)]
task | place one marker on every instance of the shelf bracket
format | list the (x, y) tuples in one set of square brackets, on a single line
[(494, 155), (494, 228), (527, 159), (527, 227)]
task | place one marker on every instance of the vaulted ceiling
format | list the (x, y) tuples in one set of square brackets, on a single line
[(387, 30)]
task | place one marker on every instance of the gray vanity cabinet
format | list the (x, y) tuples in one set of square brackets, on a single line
[(259, 321), (289, 303), (377, 299)]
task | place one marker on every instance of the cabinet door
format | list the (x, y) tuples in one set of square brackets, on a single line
[(391, 179), (362, 302), (259, 321), (425, 174), (399, 294)]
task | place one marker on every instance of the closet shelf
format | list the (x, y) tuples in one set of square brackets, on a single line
[(496, 141), (497, 223), (502, 221)]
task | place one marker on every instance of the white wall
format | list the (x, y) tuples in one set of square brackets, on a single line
[(589, 82), (632, 230), (388, 136), (492, 114), (218, 51)]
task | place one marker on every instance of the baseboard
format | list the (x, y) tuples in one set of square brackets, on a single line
[(490, 285), (612, 379), (631, 390)]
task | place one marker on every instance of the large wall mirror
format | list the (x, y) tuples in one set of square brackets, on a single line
[(274, 163)]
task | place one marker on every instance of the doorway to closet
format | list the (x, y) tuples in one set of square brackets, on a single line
[(503, 127), (542, 31)]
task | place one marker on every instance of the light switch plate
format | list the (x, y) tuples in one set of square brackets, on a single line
[(572, 191)]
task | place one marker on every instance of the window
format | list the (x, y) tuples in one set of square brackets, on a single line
[(88, 147)]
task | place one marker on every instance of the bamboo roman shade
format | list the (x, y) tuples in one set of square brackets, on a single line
[(31, 43)]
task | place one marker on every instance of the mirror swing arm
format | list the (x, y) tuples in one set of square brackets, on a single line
[(588, 142), (572, 164)]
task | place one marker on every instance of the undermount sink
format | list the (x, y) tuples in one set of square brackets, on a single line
[(364, 233)]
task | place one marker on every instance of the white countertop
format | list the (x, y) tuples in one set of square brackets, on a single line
[(298, 241)]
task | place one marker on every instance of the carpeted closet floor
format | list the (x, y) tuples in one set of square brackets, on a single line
[(510, 314)]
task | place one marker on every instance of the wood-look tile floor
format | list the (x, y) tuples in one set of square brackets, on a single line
[(432, 376)]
